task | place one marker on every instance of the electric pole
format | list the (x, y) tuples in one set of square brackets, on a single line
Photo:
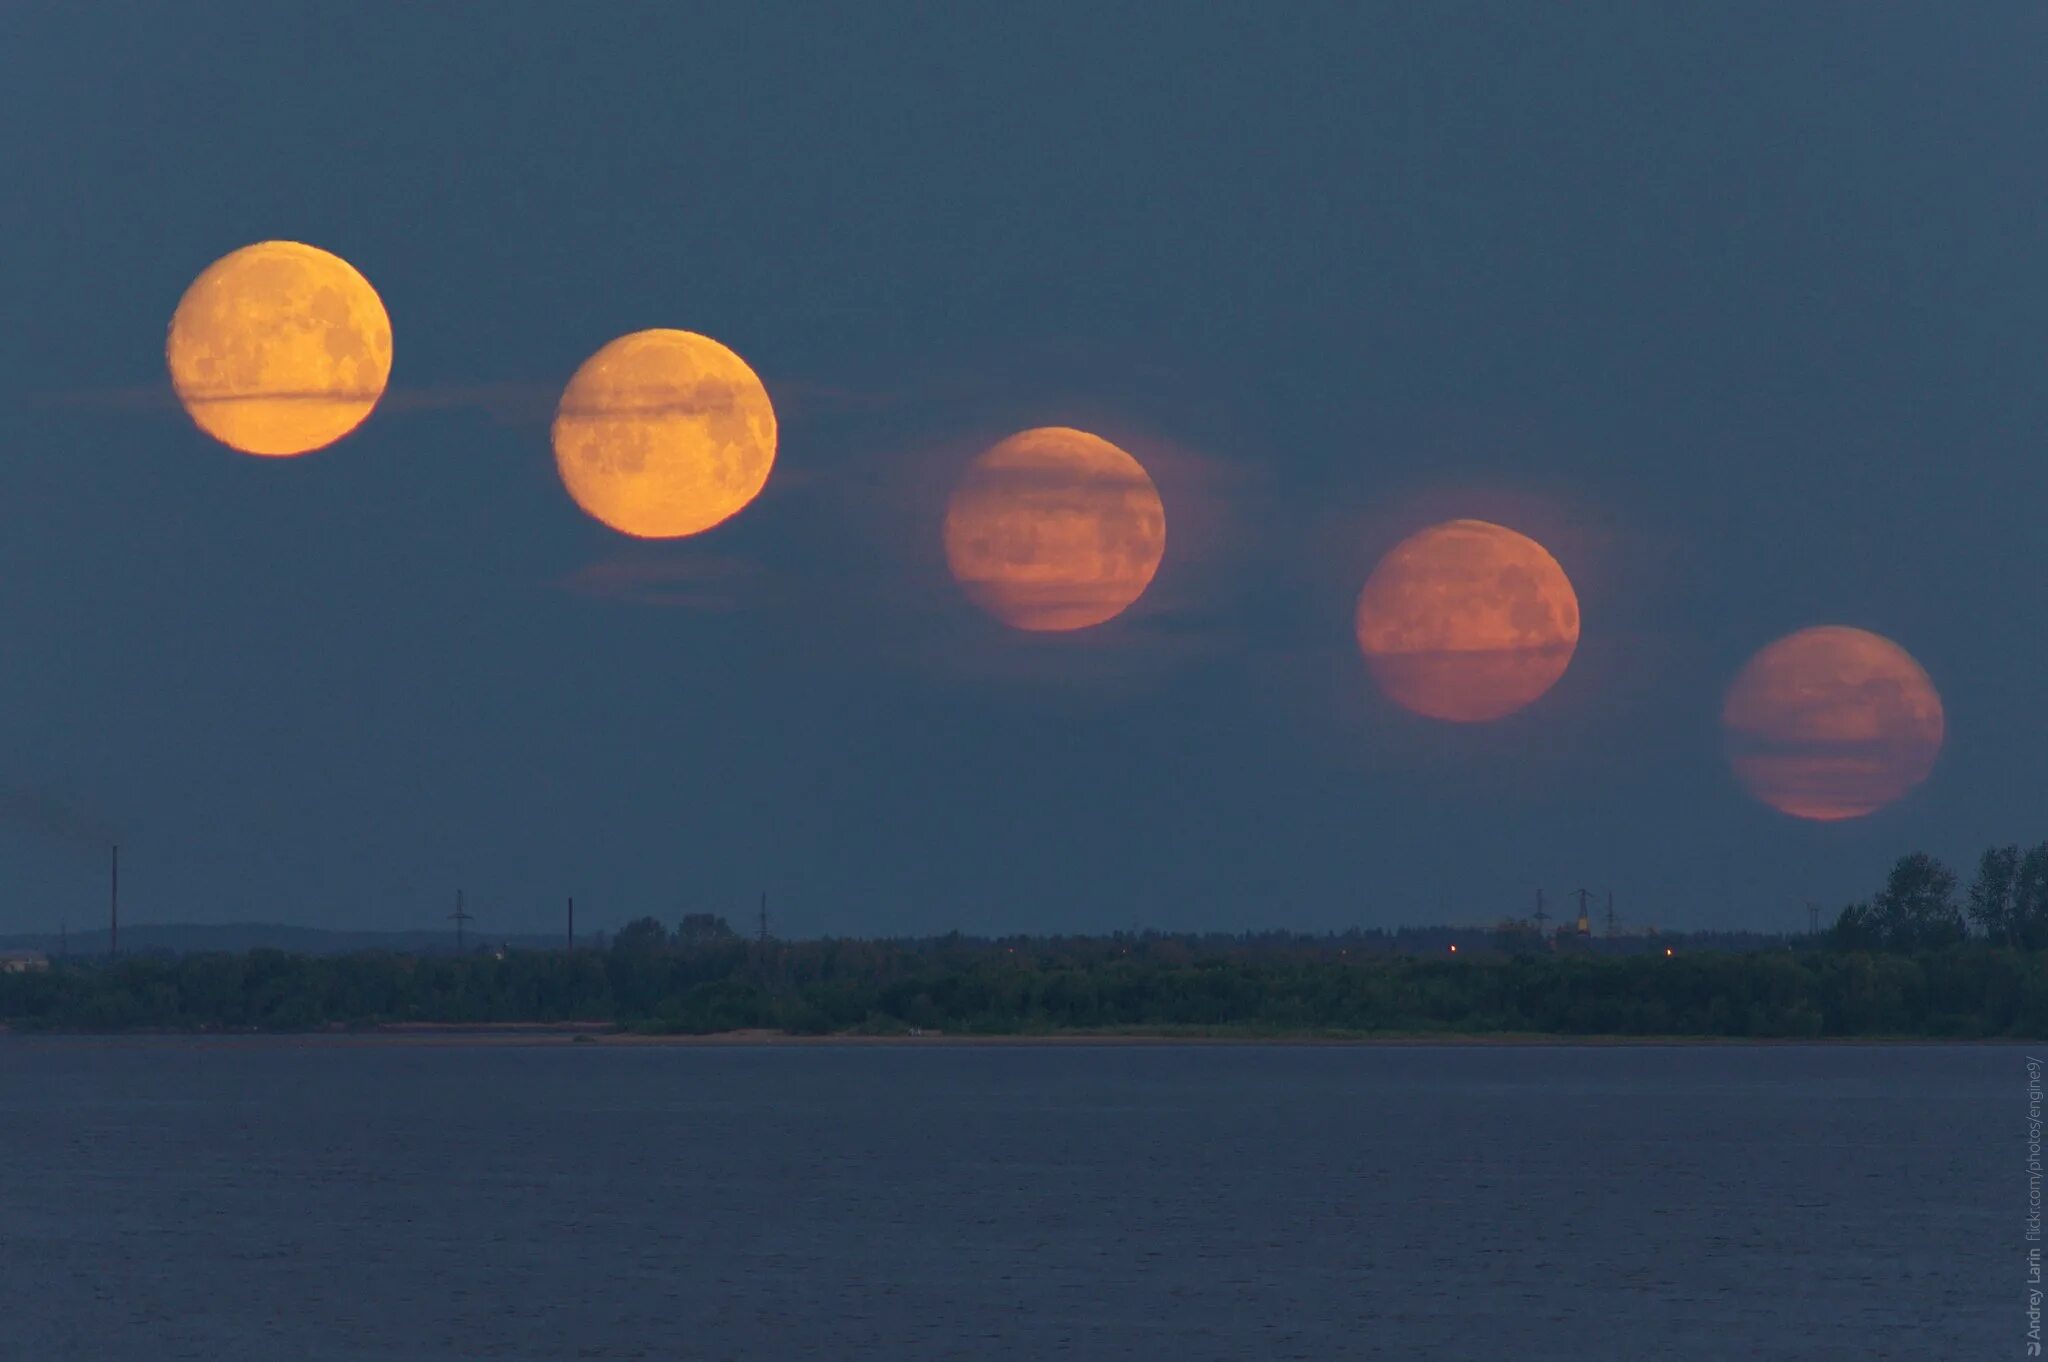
[(572, 922), (114, 905), (459, 917), (1610, 912), (1541, 915), (764, 917)]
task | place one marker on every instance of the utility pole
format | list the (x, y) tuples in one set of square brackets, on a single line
[(1812, 918), (459, 917), (114, 905), (764, 917), (1541, 915), (572, 922), (1610, 912)]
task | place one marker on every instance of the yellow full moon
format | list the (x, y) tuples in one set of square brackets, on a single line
[(279, 348), (1832, 723), (1467, 621), (1054, 529), (664, 433)]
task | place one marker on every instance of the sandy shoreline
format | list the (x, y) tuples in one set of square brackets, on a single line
[(588, 1035)]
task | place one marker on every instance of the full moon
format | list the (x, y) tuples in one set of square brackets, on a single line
[(1054, 529), (1467, 621), (279, 349), (664, 433), (1832, 723)]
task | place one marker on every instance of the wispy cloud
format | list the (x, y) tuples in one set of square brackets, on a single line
[(511, 402), (717, 585), (52, 816)]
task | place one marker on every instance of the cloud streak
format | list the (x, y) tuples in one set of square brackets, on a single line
[(53, 817), (716, 585), (512, 402)]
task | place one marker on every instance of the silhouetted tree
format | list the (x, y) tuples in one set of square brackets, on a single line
[(1993, 893), (640, 937), (699, 929), (1916, 909), (1854, 930), (2028, 924)]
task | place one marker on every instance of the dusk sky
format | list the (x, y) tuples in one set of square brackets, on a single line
[(1736, 309)]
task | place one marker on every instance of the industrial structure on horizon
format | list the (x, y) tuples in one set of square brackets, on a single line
[(1569, 934)]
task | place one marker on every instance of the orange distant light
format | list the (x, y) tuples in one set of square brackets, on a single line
[(1832, 723), (1467, 621), (1054, 529)]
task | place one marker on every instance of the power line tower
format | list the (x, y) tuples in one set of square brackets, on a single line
[(572, 922), (1610, 912), (114, 904), (1812, 918), (1542, 915), (764, 917), (1584, 926), (460, 917)]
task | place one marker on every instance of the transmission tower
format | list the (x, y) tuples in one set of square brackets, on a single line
[(460, 917)]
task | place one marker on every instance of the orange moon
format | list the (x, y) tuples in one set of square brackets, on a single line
[(664, 433), (1832, 723), (279, 349), (1054, 529), (1467, 621)]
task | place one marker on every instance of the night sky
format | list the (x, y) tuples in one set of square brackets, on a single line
[(1736, 308)]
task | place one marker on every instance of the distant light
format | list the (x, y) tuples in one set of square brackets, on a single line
[(1454, 950), (1667, 950)]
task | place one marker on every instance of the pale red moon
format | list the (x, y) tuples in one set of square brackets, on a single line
[(1054, 529), (1467, 621), (664, 433), (1832, 723), (279, 348)]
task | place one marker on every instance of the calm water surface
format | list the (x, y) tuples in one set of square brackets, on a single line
[(314, 1201)]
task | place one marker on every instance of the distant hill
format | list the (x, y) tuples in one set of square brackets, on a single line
[(190, 938)]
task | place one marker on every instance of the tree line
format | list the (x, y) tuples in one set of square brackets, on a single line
[(647, 980), (1918, 958), (1918, 909)]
